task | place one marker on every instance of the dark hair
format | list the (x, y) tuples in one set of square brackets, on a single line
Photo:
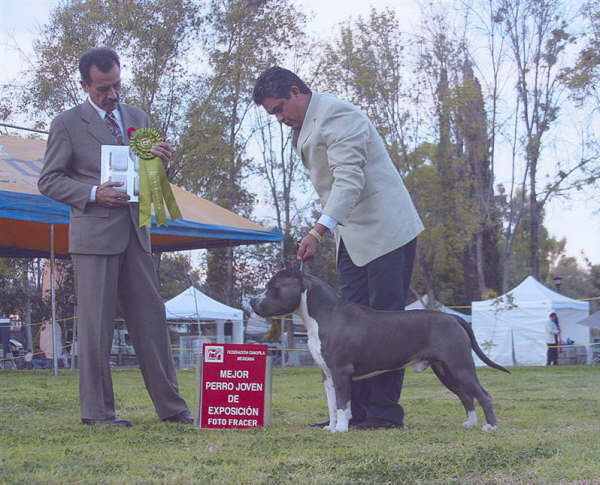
[(276, 82), (103, 58)]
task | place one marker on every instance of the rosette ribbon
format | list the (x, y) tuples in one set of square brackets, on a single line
[(154, 186)]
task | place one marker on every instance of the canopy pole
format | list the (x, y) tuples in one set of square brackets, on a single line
[(54, 333), (75, 337)]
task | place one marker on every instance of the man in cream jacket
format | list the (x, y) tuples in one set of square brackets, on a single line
[(365, 205)]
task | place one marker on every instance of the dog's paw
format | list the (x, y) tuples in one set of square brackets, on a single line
[(471, 421), (340, 430), (329, 428), (489, 427)]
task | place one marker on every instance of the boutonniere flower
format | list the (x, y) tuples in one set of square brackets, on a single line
[(130, 131)]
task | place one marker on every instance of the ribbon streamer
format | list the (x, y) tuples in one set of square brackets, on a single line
[(154, 186)]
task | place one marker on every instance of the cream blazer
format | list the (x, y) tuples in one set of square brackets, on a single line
[(355, 179)]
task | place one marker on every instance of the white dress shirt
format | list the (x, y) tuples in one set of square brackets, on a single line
[(102, 114)]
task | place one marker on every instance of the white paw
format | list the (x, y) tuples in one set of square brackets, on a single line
[(489, 427), (471, 421), (329, 427), (340, 430)]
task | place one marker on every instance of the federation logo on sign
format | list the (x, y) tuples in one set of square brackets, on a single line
[(213, 353)]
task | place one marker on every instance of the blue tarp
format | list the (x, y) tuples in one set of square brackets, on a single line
[(26, 215)]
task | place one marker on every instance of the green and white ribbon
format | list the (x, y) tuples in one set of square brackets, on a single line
[(154, 186)]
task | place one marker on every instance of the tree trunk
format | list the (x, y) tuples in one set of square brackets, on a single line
[(480, 262), (534, 223), (27, 322), (229, 286)]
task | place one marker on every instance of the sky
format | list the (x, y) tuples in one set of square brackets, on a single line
[(576, 219)]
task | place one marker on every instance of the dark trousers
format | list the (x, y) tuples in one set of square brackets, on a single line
[(383, 285), (552, 355)]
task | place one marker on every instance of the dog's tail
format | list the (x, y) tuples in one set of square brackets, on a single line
[(476, 348)]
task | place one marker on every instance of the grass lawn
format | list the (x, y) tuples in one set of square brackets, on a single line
[(549, 432)]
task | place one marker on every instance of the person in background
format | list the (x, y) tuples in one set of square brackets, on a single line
[(39, 360), (552, 339)]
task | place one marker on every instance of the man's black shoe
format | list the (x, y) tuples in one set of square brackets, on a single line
[(376, 423), (184, 417), (106, 422)]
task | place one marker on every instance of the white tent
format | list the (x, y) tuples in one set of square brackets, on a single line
[(193, 305), (511, 328), (418, 305)]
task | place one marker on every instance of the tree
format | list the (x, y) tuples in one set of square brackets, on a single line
[(578, 281), (281, 168), (449, 173), (151, 36), (452, 184), (521, 243), (481, 257), (538, 36), (369, 65), (584, 77), (242, 38), (176, 274)]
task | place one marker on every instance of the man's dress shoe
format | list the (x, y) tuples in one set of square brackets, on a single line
[(184, 417), (106, 422), (376, 423)]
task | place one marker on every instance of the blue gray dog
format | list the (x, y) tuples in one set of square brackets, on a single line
[(350, 341)]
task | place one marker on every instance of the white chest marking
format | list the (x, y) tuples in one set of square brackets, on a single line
[(312, 329), (338, 419)]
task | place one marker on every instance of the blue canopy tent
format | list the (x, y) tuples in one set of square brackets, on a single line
[(26, 215), (32, 225)]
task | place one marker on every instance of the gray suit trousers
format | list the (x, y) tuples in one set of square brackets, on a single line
[(128, 278)]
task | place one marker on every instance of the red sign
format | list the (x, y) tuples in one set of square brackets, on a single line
[(235, 386)]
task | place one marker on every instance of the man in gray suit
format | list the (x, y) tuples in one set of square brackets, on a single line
[(111, 254), (365, 205)]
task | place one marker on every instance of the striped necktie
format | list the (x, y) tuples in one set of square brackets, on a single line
[(113, 126)]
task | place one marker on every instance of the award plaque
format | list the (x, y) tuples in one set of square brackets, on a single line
[(118, 163)]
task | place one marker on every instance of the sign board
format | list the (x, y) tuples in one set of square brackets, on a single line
[(234, 386)]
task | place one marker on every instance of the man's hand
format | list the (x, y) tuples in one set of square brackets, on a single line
[(307, 248), (107, 196), (162, 150), (309, 243)]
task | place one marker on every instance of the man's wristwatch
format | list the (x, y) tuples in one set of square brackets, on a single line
[(315, 234)]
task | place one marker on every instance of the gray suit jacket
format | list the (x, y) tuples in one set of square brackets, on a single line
[(72, 167), (355, 179)]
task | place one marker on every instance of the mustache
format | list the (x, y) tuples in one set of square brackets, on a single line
[(110, 101)]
